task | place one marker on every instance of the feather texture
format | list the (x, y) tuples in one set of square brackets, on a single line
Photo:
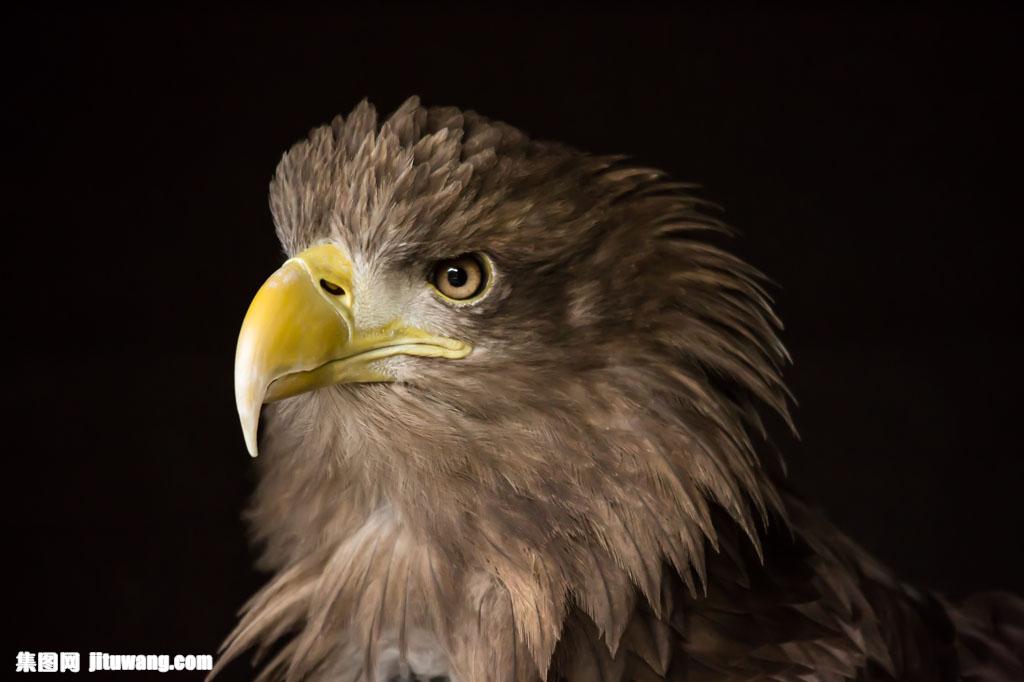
[(582, 498)]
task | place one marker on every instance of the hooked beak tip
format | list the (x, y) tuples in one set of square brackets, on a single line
[(249, 415)]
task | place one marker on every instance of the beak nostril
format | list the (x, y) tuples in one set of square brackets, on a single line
[(331, 288)]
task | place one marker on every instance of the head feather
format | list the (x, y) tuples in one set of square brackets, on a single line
[(572, 459)]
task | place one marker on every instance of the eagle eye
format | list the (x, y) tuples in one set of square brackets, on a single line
[(462, 278)]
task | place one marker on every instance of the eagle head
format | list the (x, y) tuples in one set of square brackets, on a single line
[(502, 382)]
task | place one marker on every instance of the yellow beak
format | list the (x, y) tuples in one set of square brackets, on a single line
[(300, 334)]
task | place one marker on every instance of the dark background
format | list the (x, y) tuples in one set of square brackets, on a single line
[(870, 158)]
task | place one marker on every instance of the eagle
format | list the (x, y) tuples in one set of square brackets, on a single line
[(510, 404)]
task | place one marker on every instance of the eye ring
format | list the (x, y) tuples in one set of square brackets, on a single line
[(462, 279)]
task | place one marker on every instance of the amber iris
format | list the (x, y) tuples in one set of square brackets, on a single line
[(461, 278)]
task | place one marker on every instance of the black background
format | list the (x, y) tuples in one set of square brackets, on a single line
[(870, 158)]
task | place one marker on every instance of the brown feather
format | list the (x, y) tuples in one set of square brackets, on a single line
[(582, 498)]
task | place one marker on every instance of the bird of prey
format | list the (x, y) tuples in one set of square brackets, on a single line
[(512, 399)]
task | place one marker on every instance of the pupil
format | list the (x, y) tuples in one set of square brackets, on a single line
[(457, 277)]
